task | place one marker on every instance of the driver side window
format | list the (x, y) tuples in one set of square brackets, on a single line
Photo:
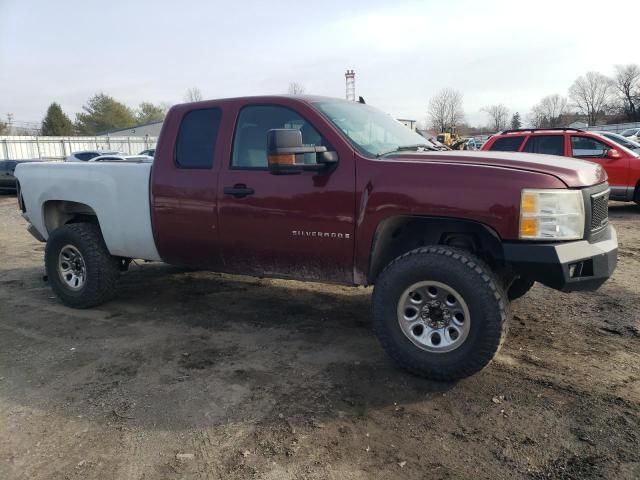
[(254, 123), (587, 147)]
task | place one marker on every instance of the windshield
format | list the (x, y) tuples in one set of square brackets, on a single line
[(368, 129)]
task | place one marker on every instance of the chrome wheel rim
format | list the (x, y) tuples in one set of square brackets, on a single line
[(71, 267), (434, 316)]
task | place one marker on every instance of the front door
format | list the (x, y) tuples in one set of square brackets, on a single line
[(295, 226), (587, 148)]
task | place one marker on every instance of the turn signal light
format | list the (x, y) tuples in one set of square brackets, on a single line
[(529, 202), (529, 227), (286, 159)]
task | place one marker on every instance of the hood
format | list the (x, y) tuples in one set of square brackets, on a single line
[(574, 173)]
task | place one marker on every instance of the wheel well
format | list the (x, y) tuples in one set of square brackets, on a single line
[(398, 235), (61, 212)]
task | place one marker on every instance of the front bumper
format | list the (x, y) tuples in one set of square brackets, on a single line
[(567, 266)]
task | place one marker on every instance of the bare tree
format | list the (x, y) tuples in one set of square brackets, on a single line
[(627, 82), (499, 115), (445, 110), (193, 95), (295, 88), (548, 112), (591, 94), (535, 118)]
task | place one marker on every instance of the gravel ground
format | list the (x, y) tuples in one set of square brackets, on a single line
[(201, 375)]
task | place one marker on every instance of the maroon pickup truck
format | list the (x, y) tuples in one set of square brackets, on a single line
[(326, 190)]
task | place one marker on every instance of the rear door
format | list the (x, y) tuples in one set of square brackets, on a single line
[(296, 226), (594, 150), (510, 143), (184, 183), (546, 144)]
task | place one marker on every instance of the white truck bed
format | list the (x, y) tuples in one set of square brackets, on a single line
[(118, 193)]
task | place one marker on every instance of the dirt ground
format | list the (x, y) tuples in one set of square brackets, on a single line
[(201, 375)]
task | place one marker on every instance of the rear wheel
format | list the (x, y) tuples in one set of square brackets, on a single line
[(81, 271), (439, 312)]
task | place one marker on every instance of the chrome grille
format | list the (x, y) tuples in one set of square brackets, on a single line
[(599, 210)]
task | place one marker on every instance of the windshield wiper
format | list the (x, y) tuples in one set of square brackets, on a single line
[(404, 148)]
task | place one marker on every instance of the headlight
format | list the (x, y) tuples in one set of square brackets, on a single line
[(551, 215)]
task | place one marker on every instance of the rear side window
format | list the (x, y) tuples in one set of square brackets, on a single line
[(507, 144), (547, 144), (87, 156), (196, 141)]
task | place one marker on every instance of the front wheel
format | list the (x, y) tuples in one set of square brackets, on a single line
[(81, 271), (439, 312)]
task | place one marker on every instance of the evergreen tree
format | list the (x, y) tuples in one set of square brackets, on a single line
[(56, 123), (103, 113), (149, 113), (516, 123)]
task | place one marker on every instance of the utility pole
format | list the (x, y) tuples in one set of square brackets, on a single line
[(10, 123), (350, 84)]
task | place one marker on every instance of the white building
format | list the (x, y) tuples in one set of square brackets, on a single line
[(408, 123), (147, 129)]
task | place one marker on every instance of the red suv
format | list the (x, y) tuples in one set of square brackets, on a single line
[(621, 164)]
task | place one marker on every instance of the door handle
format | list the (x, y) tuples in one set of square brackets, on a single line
[(239, 191)]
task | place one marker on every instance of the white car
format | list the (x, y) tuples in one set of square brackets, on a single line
[(632, 134), (473, 144), (122, 157), (86, 155), (626, 142)]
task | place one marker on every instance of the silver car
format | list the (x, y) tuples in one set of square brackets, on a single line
[(632, 134), (123, 158), (86, 155), (622, 140)]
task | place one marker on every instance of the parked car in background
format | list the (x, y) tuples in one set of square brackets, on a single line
[(434, 144), (322, 189), (472, 144), (620, 140), (632, 134), (150, 152), (622, 165), (86, 155), (7, 178), (122, 158)]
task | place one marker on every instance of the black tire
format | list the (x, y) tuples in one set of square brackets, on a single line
[(473, 280), (519, 287), (102, 269)]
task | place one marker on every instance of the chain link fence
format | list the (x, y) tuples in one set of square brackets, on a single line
[(57, 148), (615, 127)]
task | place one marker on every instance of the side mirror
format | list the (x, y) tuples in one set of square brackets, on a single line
[(285, 153), (613, 154)]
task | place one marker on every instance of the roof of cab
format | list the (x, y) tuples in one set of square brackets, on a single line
[(268, 98)]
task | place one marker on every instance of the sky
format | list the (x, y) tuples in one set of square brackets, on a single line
[(403, 52)]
